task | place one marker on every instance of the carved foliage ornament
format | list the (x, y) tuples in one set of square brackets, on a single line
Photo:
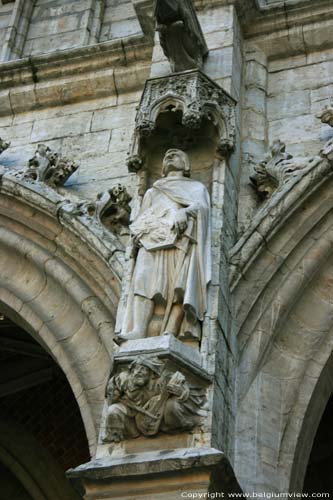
[(181, 36), (197, 96), (48, 167), (286, 181), (147, 397)]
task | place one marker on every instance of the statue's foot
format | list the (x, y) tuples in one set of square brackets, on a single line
[(121, 338), (115, 437), (168, 332)]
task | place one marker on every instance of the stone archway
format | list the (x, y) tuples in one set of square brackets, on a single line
[(57, 282), (32, 466), (284, 328), (318, 477)]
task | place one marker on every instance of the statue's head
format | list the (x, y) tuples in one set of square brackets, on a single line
[(176, 160)]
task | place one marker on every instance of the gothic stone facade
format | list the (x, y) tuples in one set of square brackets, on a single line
[(186, 298)]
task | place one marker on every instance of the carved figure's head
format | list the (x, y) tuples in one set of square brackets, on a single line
[(142, 369), (141, 375), (176, 160)]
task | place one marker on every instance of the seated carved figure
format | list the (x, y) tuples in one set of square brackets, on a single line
[(144, 400)]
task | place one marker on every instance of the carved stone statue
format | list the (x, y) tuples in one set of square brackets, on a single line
[(173, 264), (181, 36), (145, 399)]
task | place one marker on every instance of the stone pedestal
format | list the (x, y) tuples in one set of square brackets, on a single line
[(166, 466), (167, 406), (164, 475)]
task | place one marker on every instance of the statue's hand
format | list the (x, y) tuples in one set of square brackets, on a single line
[(180, 221)]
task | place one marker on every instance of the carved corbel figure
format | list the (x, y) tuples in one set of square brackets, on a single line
[(111, 208), (279, 167), (3, 145), (48, 167), (267, 174), (146, 398), (181, 36)]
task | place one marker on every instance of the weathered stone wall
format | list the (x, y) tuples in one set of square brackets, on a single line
[(298, 88), (288, 80), (46, 26), (57, 25), (96, 134), (119, 20)]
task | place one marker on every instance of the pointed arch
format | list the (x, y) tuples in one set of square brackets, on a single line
[(60, 281), (283, 320)]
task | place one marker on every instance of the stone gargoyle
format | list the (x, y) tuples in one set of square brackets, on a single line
[(279, 168), (111, 208), (181, 36), (146, 398)]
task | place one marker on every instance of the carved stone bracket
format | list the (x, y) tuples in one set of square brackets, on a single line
[(154, 390), (197, 97), (48, 167)]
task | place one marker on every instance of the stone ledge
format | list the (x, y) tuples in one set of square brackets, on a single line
[(60, 78), (165, 346), (164, 475), (148, 463), (299, 28)]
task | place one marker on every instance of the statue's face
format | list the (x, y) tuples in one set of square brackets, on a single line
[(140, 375), (173, 161)]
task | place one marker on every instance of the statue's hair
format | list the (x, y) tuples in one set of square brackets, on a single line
[(186, 161)]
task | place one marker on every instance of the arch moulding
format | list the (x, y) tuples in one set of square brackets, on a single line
[(282, 282), (60, 280)]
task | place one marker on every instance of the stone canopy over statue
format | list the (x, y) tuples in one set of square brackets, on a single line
[(173, 263)]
